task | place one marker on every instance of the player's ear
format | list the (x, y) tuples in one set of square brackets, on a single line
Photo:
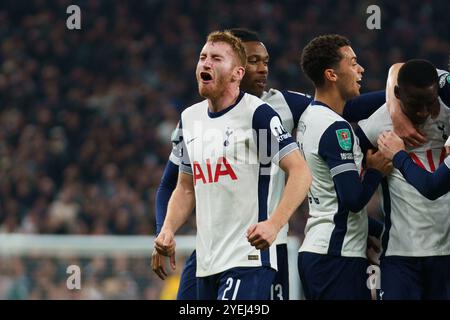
[(330, 75), (238, 73), (397, 92)]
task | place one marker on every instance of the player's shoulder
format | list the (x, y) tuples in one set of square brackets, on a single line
[(193, 109), (254, 104), (321, 115), (380, 117), (444, 76), (318, 119)]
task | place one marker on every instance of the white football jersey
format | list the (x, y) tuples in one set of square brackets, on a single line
[(230, 155), (330, 228), (414, 226), (289, 105)]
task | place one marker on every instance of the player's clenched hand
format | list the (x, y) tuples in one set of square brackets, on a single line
[(158, 264), (373, 250), (377, 161), (165, 245), (405, 129), (262, 234), (389, 144)]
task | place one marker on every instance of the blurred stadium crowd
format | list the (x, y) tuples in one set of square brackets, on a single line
[(86, 115)]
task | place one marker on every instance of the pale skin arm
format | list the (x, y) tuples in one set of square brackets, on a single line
[(389, 144), (402, 125), (180, 206), (263, 234)]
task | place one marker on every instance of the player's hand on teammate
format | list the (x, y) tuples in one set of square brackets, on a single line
[(376, 160), (373, 250), (262, 234), (406, 130), (389, 144), (164, 246)]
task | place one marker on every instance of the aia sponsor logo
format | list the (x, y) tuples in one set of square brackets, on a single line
[(211, 173)]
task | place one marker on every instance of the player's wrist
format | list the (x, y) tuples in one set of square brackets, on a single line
[(399, 158)]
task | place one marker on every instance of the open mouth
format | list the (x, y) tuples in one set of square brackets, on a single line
[(358, 82), (205, 76), (261, 82)]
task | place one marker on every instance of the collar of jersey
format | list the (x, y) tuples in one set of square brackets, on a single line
[(318, 103), (222, 112)]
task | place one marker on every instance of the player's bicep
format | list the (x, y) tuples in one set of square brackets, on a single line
[(292, 161), (185, 183)]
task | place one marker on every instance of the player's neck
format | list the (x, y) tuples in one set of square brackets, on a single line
[(331, 98), (226, 99)]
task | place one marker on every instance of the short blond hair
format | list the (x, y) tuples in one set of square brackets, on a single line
[(235, 43)]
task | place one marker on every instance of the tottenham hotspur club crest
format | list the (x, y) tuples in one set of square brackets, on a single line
[(228, 133)]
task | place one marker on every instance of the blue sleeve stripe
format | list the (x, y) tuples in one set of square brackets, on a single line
[(284, 152), (263, 194), (343, 168), (186, 169), (447, 162), (297, 103)]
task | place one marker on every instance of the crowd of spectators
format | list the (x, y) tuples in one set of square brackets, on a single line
[(86, 115)]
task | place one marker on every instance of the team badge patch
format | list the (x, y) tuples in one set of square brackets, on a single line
[(344, 139)]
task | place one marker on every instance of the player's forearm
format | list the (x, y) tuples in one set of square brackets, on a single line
[(363, 106), (179, 209), (164, 192), (297, 186), (353, 193), (392, 102), (430, 185)]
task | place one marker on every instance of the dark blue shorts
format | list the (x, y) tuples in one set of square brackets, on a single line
[(326, 277), (242, 283), (415, 278), (280, 287), (188, 282)]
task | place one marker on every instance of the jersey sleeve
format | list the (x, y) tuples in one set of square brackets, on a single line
[(444, 87), (363, 106), (430, 185), (367, 131), (336, 148), (185, 162), (164, 192), (272, 140), (297, 103), (175, 155)]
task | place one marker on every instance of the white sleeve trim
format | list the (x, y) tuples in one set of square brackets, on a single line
[(447, 143), (284, 152), (186, 169), (174, 159), (343, 168), (441, 72), (447, 161)]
